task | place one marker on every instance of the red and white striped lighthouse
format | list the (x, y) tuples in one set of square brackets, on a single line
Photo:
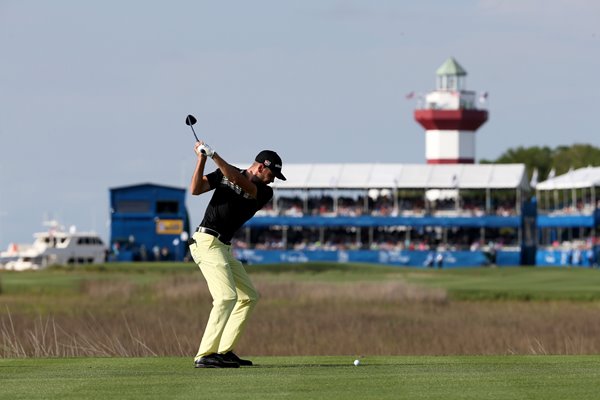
[(451, 116)]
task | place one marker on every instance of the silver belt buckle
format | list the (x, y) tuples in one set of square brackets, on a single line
[(210, 232)]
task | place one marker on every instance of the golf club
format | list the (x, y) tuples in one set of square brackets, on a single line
[(190, 121)]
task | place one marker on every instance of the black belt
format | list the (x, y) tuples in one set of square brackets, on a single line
[(211, 232)]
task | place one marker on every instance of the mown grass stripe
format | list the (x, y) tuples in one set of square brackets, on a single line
[(473, 377)]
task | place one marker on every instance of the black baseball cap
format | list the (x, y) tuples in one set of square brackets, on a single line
[(271, 160)]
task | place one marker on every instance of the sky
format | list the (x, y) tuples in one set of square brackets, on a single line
[(94, 94)]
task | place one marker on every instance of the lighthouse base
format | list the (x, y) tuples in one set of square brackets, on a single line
[(451, 161), (449, 147)]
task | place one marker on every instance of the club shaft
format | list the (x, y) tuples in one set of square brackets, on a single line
[(197, 140)]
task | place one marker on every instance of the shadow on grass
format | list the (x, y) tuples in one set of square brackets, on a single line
[(301, 366)]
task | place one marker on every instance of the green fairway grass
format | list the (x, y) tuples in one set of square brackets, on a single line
[(519, 283), (512, 283), (478, 377)]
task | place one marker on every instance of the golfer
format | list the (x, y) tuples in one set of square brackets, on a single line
[(238, 195)]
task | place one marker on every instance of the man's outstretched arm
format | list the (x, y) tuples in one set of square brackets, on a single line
[(230, 172), (199, 183)]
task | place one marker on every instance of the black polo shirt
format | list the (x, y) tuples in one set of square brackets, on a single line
[(230, 207)]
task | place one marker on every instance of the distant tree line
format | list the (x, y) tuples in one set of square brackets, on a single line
[(562, 158)]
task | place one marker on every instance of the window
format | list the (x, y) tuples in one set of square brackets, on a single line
[(132, 206), (167, 207), (451, 83)]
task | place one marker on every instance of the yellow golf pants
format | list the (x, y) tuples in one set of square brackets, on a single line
[(234, 296)]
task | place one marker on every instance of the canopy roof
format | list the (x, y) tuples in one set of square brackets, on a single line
[(451, 67), (407, 176), (579, 178)]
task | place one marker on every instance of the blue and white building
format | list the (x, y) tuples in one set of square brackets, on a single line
[(568, 218), (399, 214)]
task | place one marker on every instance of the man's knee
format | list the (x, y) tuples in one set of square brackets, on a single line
[(226, 300)]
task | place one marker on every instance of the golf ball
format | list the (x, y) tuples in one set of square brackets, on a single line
[(357, 362)]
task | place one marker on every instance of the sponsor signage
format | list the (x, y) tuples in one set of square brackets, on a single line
[(169, 226)]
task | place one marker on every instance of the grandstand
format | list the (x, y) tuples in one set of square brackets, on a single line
[(436, 215), (569, 214)]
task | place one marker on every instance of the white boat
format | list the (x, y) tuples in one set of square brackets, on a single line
[(55, 247)]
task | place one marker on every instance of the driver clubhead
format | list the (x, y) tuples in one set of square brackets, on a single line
[(190, 120)]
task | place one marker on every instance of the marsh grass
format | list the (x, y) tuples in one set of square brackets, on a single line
[(166, 316)]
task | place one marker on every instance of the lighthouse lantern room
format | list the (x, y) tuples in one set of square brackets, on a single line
[(451, 115)]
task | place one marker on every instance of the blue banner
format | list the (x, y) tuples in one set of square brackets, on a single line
[(412, 258), (566, 221), (490, 221), (567, 258)]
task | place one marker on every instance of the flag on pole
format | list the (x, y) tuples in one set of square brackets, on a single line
[(410, 95), (483, 97)]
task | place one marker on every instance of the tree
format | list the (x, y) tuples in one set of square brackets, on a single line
[(533, 157), (562, 159), (576, 156)]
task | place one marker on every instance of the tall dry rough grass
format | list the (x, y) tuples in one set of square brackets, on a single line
[(296, 318)]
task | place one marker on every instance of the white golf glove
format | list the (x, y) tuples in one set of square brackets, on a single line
[(205, 149)]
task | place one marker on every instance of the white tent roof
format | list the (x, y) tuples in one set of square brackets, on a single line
[(579, 178), (413, 176)]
